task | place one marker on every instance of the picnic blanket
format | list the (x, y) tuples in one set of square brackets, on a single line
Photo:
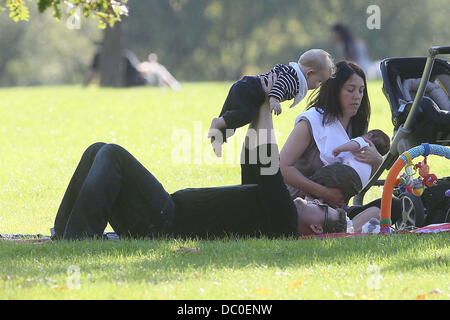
[(30, 238), (39, 238), (432, 228)]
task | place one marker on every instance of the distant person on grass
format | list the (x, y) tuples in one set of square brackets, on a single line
[(131, 78), (156, 74)]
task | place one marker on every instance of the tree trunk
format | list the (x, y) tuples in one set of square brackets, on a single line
[(111, 62)]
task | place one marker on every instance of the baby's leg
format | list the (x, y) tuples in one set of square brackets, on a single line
[(241, 107)]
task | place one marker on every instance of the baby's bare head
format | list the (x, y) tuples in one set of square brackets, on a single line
[(380, 139), (318, 61)]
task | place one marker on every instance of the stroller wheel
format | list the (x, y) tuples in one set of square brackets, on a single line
[(413, 213)]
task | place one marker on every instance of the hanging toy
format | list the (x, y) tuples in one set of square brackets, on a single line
[(430, 180), (417, 187), (410, 170), (405, 183), (423, 167)]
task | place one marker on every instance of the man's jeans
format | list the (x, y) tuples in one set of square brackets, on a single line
[(110, 185)]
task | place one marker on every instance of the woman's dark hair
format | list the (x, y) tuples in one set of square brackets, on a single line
[(327, 98)]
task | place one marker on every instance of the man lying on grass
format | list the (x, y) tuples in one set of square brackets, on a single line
[(110, 185)]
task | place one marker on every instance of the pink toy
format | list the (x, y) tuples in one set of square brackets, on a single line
[(423, 167)]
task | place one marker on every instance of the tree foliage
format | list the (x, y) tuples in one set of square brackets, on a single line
[(44, 50), (223, 39), (107, 12), (214, 40)]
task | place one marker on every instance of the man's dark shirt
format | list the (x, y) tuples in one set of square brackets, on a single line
[(261, 209)]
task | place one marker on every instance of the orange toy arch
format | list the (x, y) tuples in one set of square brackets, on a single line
[(386, 201)]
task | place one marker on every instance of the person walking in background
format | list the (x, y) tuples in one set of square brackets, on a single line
[(352, 48)]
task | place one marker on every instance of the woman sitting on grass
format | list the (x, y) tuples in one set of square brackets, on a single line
[(342, 101)]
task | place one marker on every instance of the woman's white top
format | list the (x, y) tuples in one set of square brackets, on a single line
[(332, 135)]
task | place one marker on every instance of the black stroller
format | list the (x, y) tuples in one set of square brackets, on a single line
[(418, 117)]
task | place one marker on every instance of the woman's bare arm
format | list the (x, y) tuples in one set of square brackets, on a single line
[(295, 146)]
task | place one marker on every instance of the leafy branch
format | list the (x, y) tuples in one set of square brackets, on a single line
[(107, 12)]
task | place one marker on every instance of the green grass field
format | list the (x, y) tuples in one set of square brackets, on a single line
[(44, 131)]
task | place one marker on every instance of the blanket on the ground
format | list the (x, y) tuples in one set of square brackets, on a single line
[(432, 228)]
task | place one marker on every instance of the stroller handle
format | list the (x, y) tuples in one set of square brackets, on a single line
[(439, 50)]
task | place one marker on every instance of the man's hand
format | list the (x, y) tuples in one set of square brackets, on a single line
[(275, 105)]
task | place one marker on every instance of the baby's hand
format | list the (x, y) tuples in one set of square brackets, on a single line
[(336, 152), (275, 106)]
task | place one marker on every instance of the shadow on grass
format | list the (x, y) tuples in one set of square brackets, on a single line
[(158, 260)]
